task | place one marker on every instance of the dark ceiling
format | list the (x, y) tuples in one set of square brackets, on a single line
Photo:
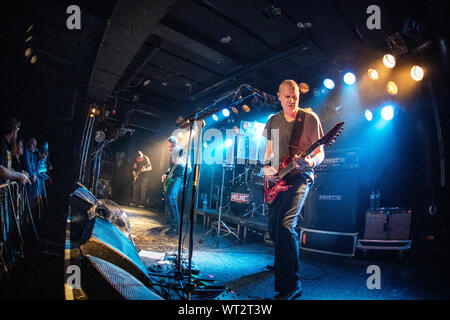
[(174, 56), (184, 53)]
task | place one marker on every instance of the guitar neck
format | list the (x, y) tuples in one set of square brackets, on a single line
[(283, 172)]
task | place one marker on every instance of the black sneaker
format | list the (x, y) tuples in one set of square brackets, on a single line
[(290, 295)]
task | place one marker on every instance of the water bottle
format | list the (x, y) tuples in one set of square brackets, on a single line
[(204, 198), (372, 200), (377, 199)]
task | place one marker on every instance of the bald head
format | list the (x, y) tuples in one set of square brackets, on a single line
[(291, 84)]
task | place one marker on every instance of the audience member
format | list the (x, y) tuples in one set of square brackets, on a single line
[(17, 155), (8, 136), (30, 164)]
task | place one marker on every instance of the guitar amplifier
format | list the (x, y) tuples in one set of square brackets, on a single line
[(341, 159), (392, 223)]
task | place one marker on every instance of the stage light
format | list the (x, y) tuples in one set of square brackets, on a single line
[(369, 115), (33, 59), (235, 110), (226, 112), (387, 113), (246, 108), (392, 88), (303, 87), (417, 73), (373, 74), (228, 143), (329, 84), (28, 52), (215, 118), (349, 78), (389, 61)]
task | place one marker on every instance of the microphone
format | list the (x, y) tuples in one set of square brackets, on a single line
[(267, 98)]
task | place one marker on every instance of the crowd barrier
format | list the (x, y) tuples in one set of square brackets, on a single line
[(18, 218)]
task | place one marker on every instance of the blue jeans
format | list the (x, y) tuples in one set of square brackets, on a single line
[(284, 213), (171, 200)]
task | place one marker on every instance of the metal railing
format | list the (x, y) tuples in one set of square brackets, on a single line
[(17, 226)]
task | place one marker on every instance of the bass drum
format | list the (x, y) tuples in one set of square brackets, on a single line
[(240, 199), (246, 201)]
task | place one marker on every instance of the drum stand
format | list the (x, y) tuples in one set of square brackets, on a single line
[(220, 222), (255, 209)]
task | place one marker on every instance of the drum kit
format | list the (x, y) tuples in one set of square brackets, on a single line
[(243, 195)]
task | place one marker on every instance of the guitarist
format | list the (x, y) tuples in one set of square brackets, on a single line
[(174, 177), (284, 138), (141, 173)]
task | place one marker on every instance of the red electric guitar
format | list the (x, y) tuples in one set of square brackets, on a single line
[(271, 189)]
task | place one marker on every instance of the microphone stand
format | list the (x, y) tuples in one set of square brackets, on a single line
[(190, 122)]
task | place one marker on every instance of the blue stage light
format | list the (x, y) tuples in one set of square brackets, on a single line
[(329, 84), (387, 112), (226, 112), (369, 115), (349, 78), (228, 143), (215, 117)]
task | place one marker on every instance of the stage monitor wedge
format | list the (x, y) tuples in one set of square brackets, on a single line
[(105, 281), (104, 240)]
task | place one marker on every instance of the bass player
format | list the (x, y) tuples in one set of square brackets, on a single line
[(173, 182)]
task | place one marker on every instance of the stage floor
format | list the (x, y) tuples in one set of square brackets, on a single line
[(240, 265)]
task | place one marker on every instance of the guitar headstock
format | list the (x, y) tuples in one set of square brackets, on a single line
[(330, 137)]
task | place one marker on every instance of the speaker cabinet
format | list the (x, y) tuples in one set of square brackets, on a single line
[(104, 240), (388, 224), (333, 202), (80, 202), (103, 280)]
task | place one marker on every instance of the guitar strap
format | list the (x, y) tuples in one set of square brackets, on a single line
[(297, 131)]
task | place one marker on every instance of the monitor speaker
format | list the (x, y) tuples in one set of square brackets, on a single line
[(104, 240), (80, 202), (103, 280), (333, 202)]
